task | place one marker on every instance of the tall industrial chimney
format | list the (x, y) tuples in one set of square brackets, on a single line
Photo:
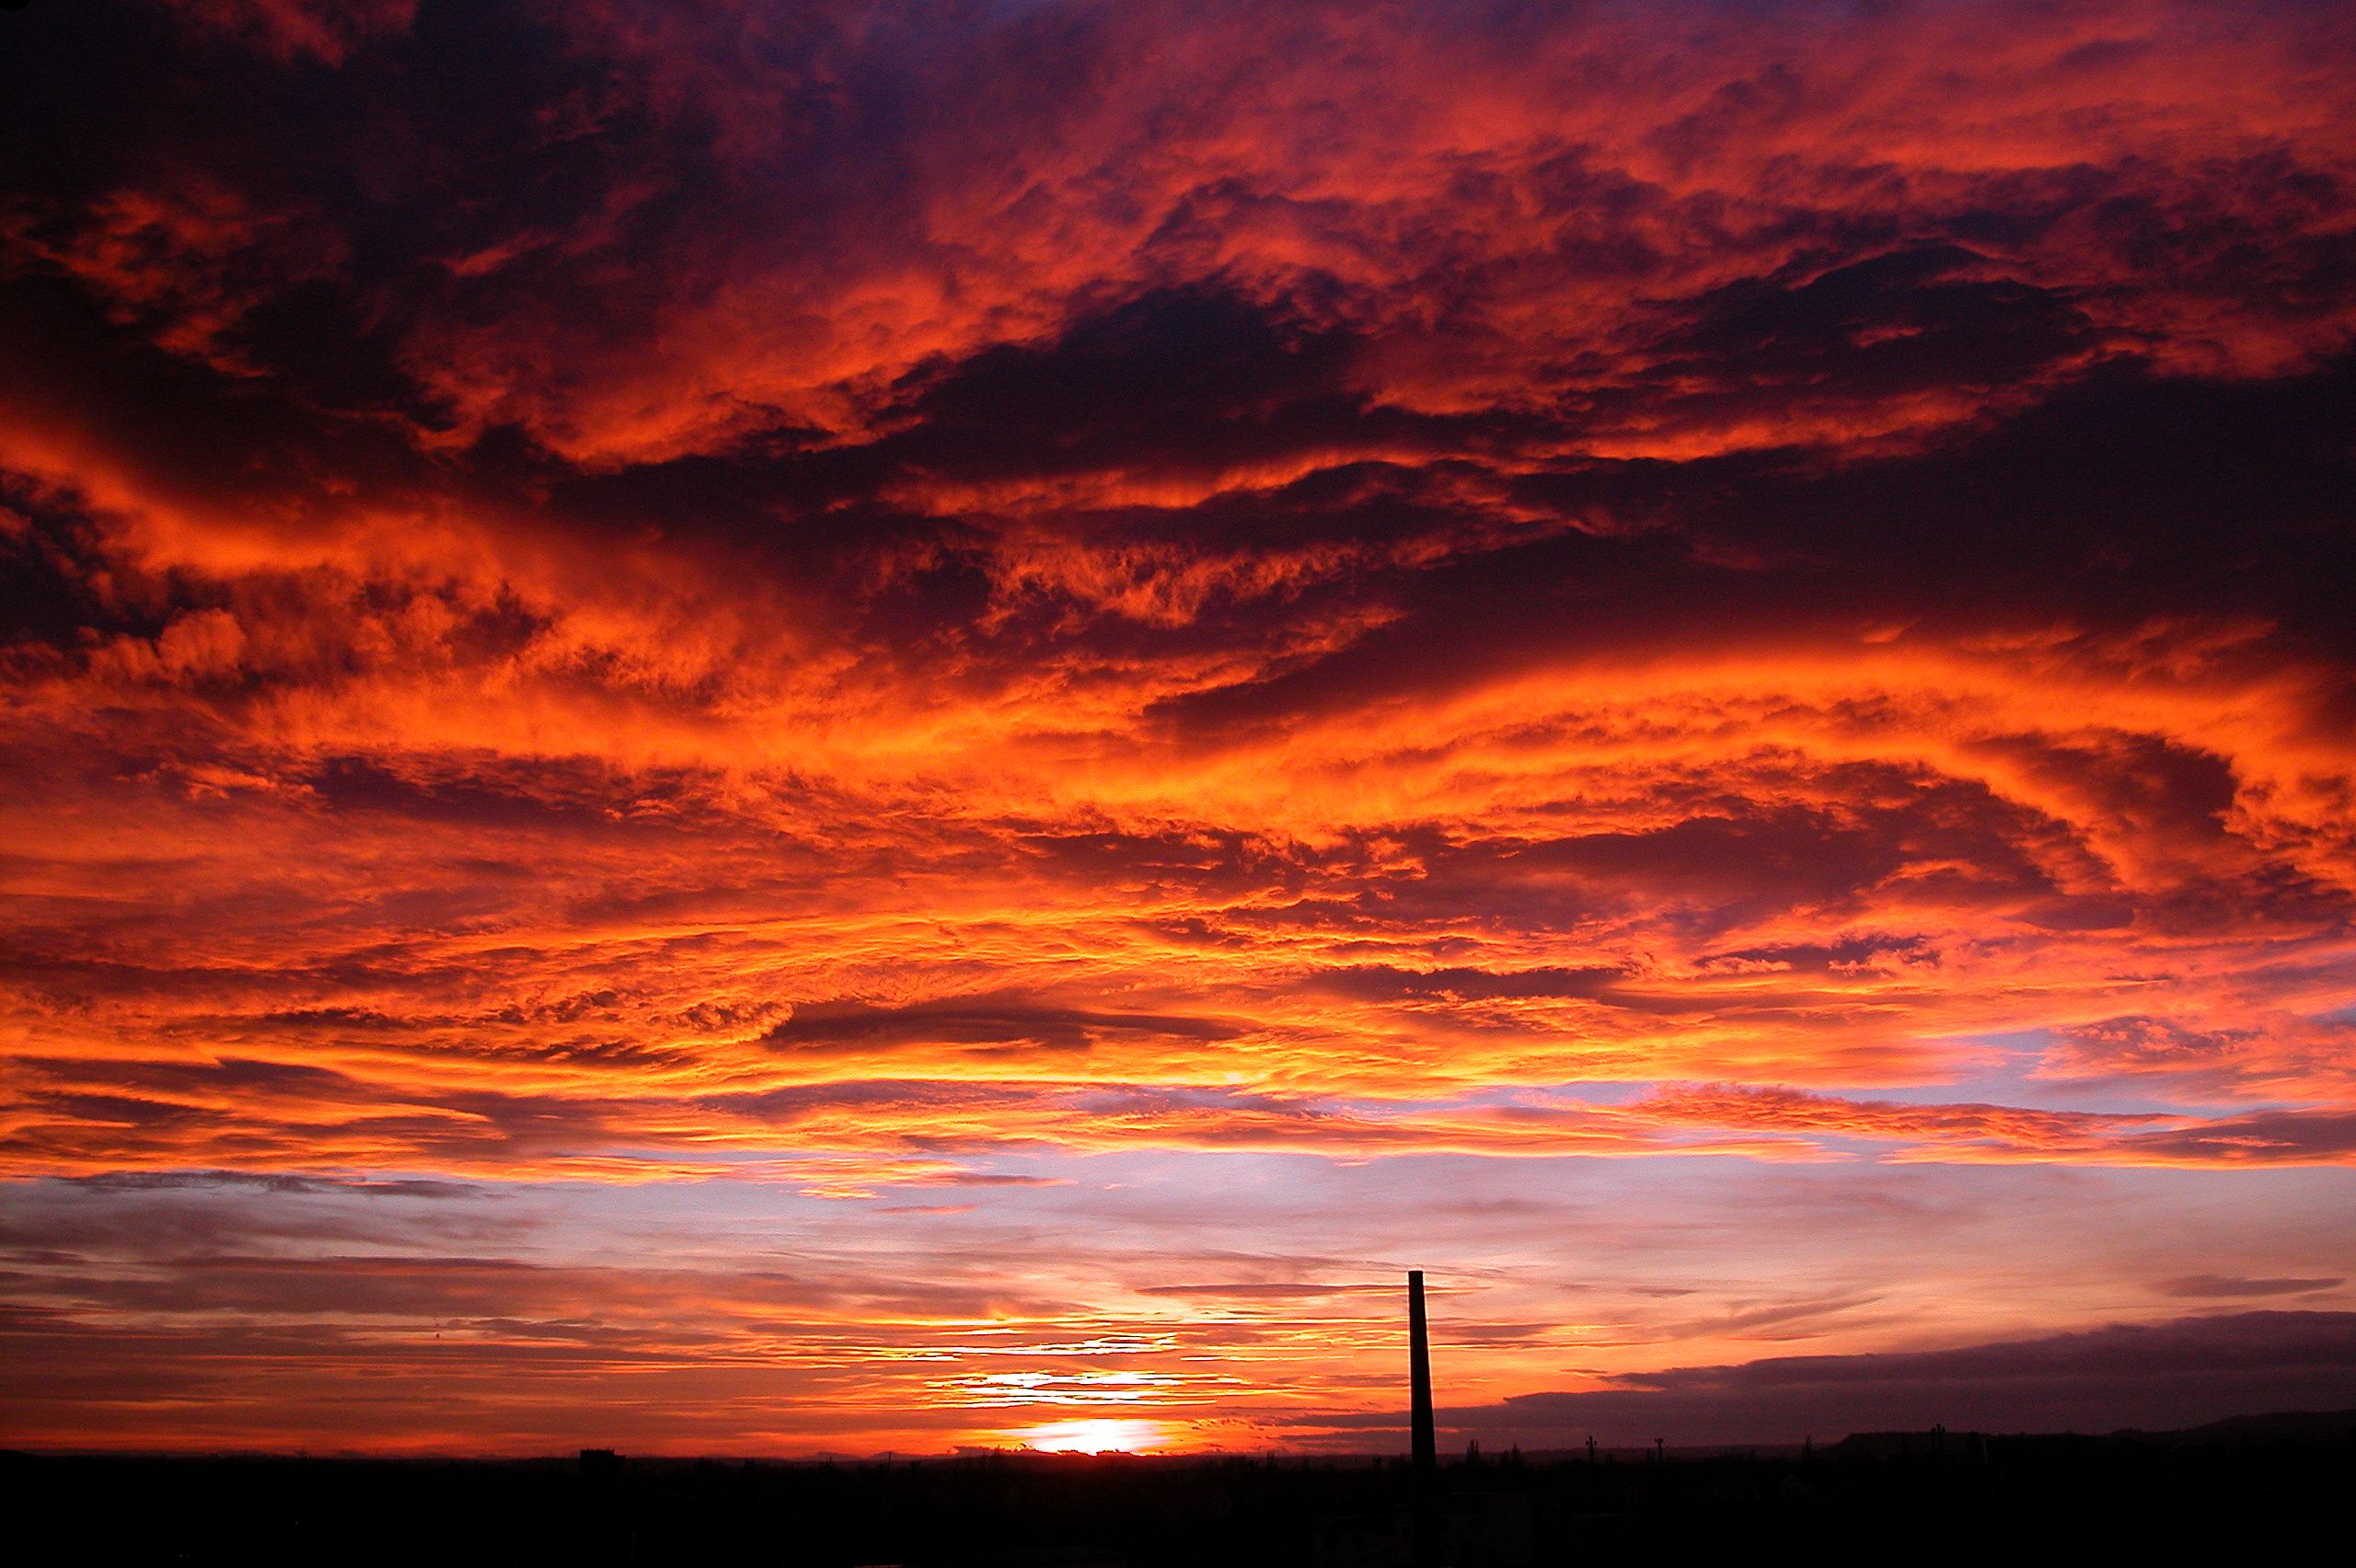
[(1427, 1447)]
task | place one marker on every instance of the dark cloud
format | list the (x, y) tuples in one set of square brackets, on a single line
[(2260, 1138), (207, 1181), (1173, 379), (1384, 983), (2152, 1375), (993, 1020), (2229, 1285), (1914, 321)]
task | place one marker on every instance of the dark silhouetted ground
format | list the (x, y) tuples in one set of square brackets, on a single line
[(2267, 1489)]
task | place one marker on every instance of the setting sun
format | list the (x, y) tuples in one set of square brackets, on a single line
[(1096, 1437)]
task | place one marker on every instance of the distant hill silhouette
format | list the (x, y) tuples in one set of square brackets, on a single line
[(2277, 1424), (2242, 1486)]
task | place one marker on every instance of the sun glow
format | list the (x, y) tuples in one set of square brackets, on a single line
[(1096, 1436)]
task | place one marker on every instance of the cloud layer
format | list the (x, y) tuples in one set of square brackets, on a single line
[(895, 605)]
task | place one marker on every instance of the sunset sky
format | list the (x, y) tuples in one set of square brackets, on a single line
[(766, 728)]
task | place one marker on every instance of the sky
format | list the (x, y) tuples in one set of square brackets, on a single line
[(761, 729)]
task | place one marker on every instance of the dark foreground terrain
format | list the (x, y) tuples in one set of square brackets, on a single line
[(2270, 1489)]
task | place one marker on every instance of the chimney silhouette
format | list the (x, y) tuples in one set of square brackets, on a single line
[(1426, 1447)]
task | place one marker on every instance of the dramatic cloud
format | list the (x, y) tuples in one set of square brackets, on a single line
[(886, 608)]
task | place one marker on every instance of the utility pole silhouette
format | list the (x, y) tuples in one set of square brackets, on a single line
[(1426, 1446), (1423, 1443)]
